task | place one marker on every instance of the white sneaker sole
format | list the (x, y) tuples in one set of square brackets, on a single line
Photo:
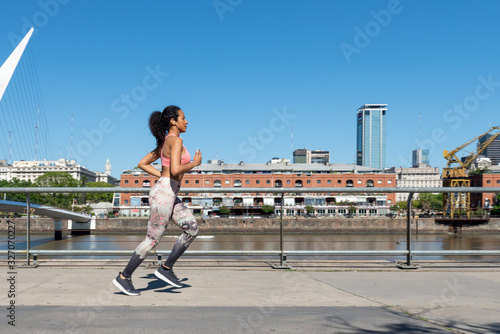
[(119, 286), (163, 278)]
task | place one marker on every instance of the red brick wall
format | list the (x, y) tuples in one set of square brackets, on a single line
[(207, 180), (485, 181)]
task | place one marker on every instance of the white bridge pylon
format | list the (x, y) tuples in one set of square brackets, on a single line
[(8, 68)]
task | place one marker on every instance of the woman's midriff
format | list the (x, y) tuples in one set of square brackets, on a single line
[(165, 172)]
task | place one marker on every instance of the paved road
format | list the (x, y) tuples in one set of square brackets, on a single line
[(462, 298)]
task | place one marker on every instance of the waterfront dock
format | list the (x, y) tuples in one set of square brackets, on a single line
[(248, 296)]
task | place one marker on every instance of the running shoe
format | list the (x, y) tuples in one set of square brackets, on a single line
[(125, 285), (168, 276)]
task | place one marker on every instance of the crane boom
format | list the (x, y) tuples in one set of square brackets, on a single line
[(480, 149), (455, 167), (455, 173)]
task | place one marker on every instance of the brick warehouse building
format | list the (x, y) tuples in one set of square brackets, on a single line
[(219, 174), (486, 180)]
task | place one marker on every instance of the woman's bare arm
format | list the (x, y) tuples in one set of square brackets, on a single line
[(145, 163)]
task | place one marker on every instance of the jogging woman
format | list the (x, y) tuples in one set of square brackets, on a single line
[(163, 200)]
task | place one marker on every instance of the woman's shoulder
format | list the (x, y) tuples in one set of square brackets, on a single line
[(173, 139)]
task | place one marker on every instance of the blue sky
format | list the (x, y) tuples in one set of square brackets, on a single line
[(245, 72)]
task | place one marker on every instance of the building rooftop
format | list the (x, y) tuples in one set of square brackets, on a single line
[(272, 168)]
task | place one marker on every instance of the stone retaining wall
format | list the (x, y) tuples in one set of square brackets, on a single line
[(221, 225)]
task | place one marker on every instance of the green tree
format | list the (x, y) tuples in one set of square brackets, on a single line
[(479, 171), (425, 200), (83, 183), (267, 209), (100, 197), (309, 209), (224, 210), (429, 201), (394, 208), (437, 203), (56, 179), (402, 205), (496, 207), (479, 212), (16, 183), (85, 209), (346, 203)]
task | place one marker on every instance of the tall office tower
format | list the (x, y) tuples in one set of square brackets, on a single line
[(371, 136), (493, 149), (420, 156)]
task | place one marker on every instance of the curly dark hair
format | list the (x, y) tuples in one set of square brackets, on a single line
[(159, 124)]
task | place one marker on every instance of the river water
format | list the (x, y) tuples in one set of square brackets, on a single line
[(320, 241)]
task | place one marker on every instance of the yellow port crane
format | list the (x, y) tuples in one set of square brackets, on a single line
[(455, 174)]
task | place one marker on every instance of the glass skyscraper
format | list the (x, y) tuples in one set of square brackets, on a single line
[(371, 136), (420, 156), (493, 150)]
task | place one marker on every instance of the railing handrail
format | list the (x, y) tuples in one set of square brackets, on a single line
[(338, 190), (399, 252), (280, 190)]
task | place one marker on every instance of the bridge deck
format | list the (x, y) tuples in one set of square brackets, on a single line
[(42, 210)]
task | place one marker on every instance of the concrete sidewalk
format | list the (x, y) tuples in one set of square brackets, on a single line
[(249, 297)]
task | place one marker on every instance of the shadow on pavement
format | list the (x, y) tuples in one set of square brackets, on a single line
[(156, 284), (406, 324)]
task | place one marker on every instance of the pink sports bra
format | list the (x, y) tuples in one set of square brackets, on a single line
[(185, 158)]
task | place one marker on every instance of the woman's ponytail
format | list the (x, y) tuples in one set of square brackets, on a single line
[(158, 128), (159, 124)]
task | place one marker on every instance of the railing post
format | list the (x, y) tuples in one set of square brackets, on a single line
[(282, 264), (282, 260), (28, 227), (408, 264), (408, 229), (28, 237)]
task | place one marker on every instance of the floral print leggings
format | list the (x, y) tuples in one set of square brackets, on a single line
[(165, 206)]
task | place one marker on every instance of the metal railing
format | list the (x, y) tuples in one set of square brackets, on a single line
[(281, 252)]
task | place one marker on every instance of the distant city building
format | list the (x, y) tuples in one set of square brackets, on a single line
[(103, 177), (301, 156), (4, 167), (31, 170), (371, 136), (106, 176), (305, 156), (493, 149), (486, 180), (424, 176), (107, 167), (481, 162), (420, 157), (320, 157), (277, 160), (267, 175), (215, 162)]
